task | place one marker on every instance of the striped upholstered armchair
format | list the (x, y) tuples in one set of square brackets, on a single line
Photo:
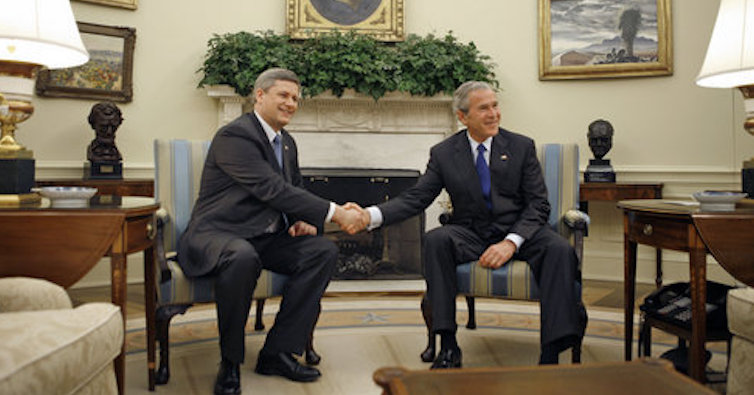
[(514, 280), (178, 171)]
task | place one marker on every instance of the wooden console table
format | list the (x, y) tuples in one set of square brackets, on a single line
[(664, 224), (613, 192), (124, 187), (646, 376), (63, 244)]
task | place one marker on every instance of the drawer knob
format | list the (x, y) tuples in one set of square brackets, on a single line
[(647, 230), (151, 231)]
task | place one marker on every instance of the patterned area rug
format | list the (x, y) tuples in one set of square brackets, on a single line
[(356, 336)]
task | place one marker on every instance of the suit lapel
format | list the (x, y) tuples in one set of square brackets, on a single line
[(266, 146), (500, 156), (286, 155)]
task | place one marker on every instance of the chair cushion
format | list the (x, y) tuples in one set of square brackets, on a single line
[(25, 294), (513, 280), (182, 290), (741, 312), (58, 351)]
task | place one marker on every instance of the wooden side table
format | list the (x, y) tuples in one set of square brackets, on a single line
[(662, 224), (646, 376), (613, 192), (124, 187)]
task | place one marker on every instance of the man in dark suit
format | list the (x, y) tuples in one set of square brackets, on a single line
[(500, 211), (252, 213)]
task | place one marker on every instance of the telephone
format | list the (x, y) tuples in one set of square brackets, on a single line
[(672, 304)]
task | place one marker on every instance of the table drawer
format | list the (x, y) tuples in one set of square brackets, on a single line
[(140, 233), (659, 231)]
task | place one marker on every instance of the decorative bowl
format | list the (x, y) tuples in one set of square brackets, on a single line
[(718, 200), (67, 196)]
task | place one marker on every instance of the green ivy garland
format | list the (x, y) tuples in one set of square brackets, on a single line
[(338, 61)]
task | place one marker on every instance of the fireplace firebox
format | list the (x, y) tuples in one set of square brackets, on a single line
[(386, 253)]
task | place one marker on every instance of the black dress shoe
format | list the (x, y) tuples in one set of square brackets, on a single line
[(228, 381), (283, 364), (447, 359), (311, 357)]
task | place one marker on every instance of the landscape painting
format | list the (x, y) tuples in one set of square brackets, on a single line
[(604, 38), (107, 74)]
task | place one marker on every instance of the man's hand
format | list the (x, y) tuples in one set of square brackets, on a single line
[(351, 218), (301, 228), (497, 254)]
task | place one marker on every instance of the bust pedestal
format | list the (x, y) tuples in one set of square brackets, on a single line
[(599, 170)]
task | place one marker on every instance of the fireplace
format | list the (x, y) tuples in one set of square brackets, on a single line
[(386, 253)]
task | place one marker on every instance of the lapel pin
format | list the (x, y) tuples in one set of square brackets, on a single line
[(286, 147), (504, 157)]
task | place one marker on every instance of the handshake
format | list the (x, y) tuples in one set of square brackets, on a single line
[(351, 218)]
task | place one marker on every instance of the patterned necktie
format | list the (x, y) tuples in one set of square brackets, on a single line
[(483, 171), (278, 147)]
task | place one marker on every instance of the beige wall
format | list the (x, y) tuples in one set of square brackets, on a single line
[(667, 129)]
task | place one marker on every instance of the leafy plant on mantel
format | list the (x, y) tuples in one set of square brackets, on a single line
[(337, 61)]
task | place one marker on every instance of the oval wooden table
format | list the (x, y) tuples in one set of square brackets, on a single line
[(63, 244), (683, 226)]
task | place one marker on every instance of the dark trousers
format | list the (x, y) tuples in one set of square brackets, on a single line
[(309, 261), (551, 258)]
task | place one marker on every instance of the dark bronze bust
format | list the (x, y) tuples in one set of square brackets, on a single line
[(104, 157), (600, 137)]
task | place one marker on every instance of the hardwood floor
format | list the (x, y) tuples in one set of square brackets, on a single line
[(606, 294)]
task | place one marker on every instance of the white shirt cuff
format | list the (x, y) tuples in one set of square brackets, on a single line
[(330, 212), (516, 239), (375, 217)]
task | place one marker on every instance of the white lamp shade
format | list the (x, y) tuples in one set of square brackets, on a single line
[(41, 32), (730, 56)]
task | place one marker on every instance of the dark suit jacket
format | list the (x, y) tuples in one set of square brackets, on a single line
[(243, 194), (518, 192)]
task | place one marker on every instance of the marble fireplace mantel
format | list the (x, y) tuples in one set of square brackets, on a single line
[(395, 113)]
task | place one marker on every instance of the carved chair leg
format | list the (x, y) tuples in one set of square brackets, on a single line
[(311, 356), (576, 351), (471, 323), (258, 323), (428, 355), (162, 320)]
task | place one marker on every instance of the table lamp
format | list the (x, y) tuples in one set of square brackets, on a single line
[(33, 33), (730, 64)]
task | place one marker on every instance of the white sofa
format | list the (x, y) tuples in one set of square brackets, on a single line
[(49, 347), (741, 324)]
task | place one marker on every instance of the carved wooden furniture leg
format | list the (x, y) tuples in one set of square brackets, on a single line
[(258, 323), (471, 323), (163, 316), (428, 355)]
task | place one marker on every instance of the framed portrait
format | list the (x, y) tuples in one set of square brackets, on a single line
[(382, 19), (130, 4), (584, 39), (107, 75)]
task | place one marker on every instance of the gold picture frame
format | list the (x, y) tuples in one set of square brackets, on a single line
[(107, 76), (130, 4), (620, 42), (382, 19)]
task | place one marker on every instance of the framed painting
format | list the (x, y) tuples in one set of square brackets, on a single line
[(382, 19), (584, 39), (107, 75), (130, 4)]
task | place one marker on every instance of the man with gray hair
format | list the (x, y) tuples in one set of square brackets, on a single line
[(252, 213), (500, 211)]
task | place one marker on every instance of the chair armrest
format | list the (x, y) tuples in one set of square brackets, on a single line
[(576, 220), (26, 294), (163, 218)]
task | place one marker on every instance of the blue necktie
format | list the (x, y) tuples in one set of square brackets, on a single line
[(278, 150), (279, 155), (483, 171)]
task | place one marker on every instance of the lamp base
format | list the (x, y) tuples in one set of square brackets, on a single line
[(21, 199), (16, 176)]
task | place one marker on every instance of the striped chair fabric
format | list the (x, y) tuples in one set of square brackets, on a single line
[(178, 171), (515, 280)]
